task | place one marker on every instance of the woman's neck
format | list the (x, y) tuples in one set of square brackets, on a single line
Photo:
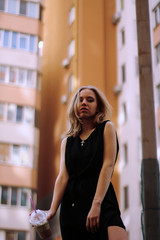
[(87, 128)]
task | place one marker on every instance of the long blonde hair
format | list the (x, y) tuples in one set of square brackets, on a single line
[(104, 111)]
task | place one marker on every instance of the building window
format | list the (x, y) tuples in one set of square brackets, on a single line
[(156, 13), (1, 111), (12, 75), (28, 115), (23, 41), (18, 41), (72, 15), (36, 120), (2, 5), (21, 76), (126, 198), (10, 235), (124, 112), (13, 235), (2, 73), (125, 153), (71, 49), (4, 152), (122, 4), (16, 154), (157, 48), (11, 112), (123, 73), (21, 154), (6, 38), (12, 6), (21, 236), (14, 196), (24, 196), (31, 78), (14, 40), (23, 7), (19, 114), (33, 10), (40, 13), (32, 43), (122, 37), (4, 195)]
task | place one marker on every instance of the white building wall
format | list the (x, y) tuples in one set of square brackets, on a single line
[(130, 130)]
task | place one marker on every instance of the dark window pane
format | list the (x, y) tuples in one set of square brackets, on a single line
[(10, 235), (4, 195), (19, 115), (21, 236), (14, 196), (23, 8), (2, 2), (23, 197), (126, 200), (36, 119), (40, 13)]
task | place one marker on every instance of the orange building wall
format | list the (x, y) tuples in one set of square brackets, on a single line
[(20, 24), (18, 176), (54, 85), (97, 52), (22, 96), (91, 43)]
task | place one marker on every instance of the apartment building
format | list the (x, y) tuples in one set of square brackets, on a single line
[(129, 125), (21, 44)]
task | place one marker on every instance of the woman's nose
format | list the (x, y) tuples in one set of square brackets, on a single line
[(84, 102)]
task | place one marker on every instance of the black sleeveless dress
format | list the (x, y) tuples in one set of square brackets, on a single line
[(84, 164)]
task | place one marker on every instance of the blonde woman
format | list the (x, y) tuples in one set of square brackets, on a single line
[(89, 207)]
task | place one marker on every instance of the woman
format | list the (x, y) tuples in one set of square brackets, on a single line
[(89, 208)]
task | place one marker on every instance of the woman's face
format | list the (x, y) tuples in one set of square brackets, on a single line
[(87, 104)]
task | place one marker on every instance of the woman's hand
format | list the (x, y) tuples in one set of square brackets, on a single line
[(50, 214), (93, 218)]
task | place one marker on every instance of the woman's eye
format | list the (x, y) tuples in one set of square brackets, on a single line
[(90, 99)]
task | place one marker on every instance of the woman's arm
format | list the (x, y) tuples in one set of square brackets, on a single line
[(110, 148), (60, 183)]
